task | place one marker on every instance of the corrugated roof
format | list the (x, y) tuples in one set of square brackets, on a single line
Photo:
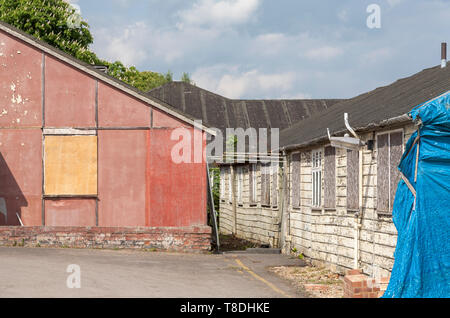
[(221, 112), (371, 109)]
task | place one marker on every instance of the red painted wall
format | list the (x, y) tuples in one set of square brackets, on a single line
[(177, 192), (138, 183)]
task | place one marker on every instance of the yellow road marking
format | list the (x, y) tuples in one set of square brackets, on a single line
[(261, 279)]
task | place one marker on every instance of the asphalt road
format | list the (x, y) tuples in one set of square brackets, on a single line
[(42, 272)]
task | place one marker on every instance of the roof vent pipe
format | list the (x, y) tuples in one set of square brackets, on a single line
[(443, 54)]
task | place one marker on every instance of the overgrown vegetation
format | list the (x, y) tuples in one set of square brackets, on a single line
[(52, 21)]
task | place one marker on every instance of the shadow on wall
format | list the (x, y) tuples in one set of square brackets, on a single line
[(11, 197)]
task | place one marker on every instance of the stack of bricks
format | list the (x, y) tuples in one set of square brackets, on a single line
[(358, 285)]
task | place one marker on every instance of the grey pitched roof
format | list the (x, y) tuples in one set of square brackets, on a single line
[(379, 107), (221, 112), (96, 73)]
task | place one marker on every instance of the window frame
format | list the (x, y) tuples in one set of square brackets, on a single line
[(316, 198)]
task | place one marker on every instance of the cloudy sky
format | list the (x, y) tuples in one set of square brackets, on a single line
[(272, 48)]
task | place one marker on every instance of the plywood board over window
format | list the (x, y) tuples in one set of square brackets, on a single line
[(295, 180), (330, 178), (389, 153), (274, 189), (70, 165), (265, 184), (352, 179)]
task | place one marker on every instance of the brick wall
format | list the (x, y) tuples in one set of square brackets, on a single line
[(358, 285), (183, 239)]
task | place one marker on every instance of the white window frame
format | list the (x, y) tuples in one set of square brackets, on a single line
[(392, 131), (316, 175)]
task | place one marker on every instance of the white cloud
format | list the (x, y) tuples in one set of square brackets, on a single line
[(223, 12), (140, 42), (393, 3), (343, 15), (324, 53), (232, 83)]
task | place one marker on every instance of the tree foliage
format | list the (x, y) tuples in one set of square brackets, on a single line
[(52, 22), (47, 20)]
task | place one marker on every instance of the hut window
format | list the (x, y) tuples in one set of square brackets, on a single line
[(274, 172), (252, 183), (317, 178), (330, 177), (70, 165), (240, 182), (389, 153), (230, 186), (222, 184), (352, 179), (295, 180), (265, 184)]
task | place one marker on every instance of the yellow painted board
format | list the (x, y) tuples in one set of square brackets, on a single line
[(70, 165)]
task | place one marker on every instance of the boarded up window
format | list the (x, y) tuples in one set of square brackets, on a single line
[(265, 184), (274, 170), (330, 177), (70, 166), (222, 184), (295, 180), (252, 183), (389, 152), (352, 179), (396, 152), (230, 186), (240, 182)]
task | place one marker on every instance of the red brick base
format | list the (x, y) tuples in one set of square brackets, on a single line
[(358, 285), (185, 239)]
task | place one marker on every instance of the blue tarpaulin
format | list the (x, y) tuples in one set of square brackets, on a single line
[(422, 207)]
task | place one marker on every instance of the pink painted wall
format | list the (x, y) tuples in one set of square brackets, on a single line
[(70, 212), (116, 109), (121, 177), (21, 175), (69, 96)]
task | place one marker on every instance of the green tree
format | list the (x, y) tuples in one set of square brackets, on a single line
[(186, 78), (49, 21)]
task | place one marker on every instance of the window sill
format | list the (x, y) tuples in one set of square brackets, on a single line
[(352, 211), (384, 214), (70, 196), (253, 205)]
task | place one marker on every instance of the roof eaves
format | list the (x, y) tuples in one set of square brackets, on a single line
[(386, 122)]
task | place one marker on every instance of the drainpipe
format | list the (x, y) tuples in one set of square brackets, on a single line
[(358, 215)]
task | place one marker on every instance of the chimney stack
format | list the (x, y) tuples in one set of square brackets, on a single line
[(443, 54)]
